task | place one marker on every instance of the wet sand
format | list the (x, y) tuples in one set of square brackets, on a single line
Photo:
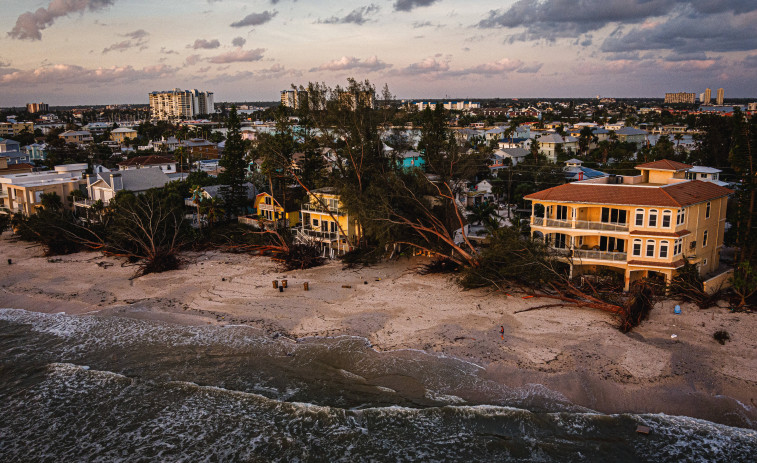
[(576, 352)]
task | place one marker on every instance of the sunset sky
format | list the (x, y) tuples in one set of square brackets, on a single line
[(68, 52)]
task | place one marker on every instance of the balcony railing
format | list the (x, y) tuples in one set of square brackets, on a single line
[(600, 255), (321, 235), (319, 208), (580, 224)]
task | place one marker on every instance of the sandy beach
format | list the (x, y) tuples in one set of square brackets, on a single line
[(576, 352)]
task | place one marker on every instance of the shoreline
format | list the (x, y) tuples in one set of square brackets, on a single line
[(577, 353)]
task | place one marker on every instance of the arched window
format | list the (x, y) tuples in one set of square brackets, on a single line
[(650, 248), (652, 218), (639, 217), (637, 248), (663, 249), (666, 216)]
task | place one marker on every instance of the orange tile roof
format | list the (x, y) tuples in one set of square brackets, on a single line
[(677, 234), (644, 263), (664, 164), (674, 195)]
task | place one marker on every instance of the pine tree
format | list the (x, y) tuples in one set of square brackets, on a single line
[(233, 161)]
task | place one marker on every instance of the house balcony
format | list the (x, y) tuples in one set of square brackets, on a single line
[(321, 235), (311, 207), (88, 203), (600, 255), (579, 224)]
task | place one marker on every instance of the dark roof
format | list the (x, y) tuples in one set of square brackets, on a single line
[(147, 161), (674, 195), (665, 164)]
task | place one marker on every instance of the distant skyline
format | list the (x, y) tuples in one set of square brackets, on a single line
[(69, 52)]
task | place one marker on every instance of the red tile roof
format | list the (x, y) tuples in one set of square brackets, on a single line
[(643, 263), (674, 195), (677, 234), (147, 161), (664, 164)]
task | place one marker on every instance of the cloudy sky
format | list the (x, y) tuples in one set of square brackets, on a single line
[(116, 51)]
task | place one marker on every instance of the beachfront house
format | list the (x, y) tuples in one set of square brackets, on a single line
[(326, 221), (270, 214), (104, 186), (644, 225), (22, 192)]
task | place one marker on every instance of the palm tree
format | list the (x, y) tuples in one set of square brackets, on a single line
[(197, 199), (483, 213)]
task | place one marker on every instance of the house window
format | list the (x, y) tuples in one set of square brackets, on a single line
[(637, 248), (704, 239), (333, 227), (681, 217), (315, 223), (324, 225), (666, 219), (562, 212), (611, 244), (650, 248), (268, 200), (707, 211), (663, 250), (653, 218), (560, 240), (613, 215), (677, 247)]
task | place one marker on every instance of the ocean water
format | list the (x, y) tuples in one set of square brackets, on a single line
[(115, 389)]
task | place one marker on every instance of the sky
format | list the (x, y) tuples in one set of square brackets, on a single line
[(75, 52)]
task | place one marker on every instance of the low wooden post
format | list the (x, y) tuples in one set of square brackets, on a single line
[(305, 286), (275, 284)]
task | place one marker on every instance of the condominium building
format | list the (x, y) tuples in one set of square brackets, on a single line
[(459, 105), (707, 96), (37, 107), (680, 97), (642, 225), (12, 129), (180, 104), (721, 97), (294, 99)]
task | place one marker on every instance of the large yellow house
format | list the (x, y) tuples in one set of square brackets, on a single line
[(324, 219), (638, 225), (271, 212)]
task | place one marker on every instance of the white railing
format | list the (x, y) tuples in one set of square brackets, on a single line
[(600, 255), (579, 224)]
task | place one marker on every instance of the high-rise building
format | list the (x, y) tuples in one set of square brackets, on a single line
[(680, 97), (707, 96), (294, 99), (180, 104), (34, 108), (721, 97)]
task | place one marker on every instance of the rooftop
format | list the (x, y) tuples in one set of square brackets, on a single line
[(665, 164)]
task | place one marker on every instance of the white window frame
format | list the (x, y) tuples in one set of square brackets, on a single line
[(667, 215), (639, 215), (652, 215), (664, 246), (633, 249), (654, 248)]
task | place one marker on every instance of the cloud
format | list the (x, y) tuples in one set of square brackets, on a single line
[(205, 44), (167, 51), (4, 64), (689, 33), (30, 25), (70, 74), (238, 56), (239, 41), (357, 16), (750, 61), (345, 63), (137, 39), (409, 5), (553, 19), (427, 66), (255, 19), (137, 35), (191, 60)]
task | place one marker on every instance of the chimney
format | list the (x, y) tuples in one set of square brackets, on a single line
[(116, 182)]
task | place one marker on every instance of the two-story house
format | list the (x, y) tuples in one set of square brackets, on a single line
[(638, 225), (269, 213), (325, 219)]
